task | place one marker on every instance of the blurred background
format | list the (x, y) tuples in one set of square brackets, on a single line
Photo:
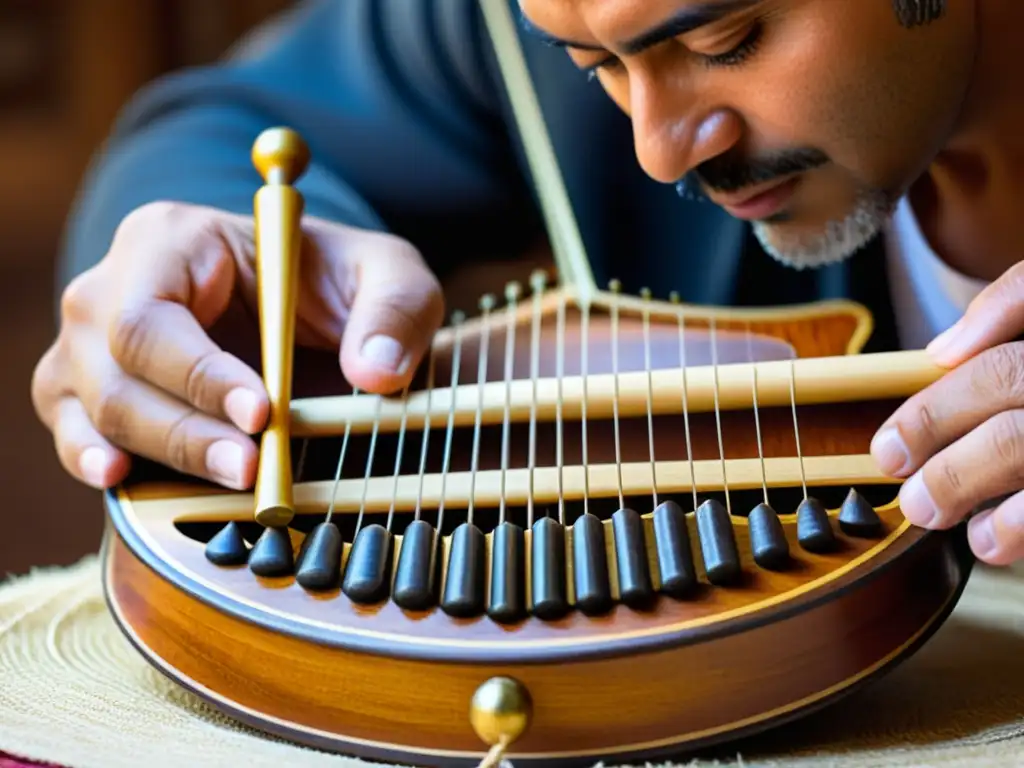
[(66, 68)]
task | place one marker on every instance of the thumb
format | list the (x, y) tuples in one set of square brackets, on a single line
[(397, 307)]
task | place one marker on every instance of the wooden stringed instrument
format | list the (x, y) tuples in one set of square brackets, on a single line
[(595, 527)]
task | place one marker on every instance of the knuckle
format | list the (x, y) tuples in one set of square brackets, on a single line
[(180, 448), (109, 412), (926, 426), (1001, 371), (43, 380), (146, 216), (951, 481), (129, 337), (183, 222), (200, 388), (1007, 430), (76, 300)]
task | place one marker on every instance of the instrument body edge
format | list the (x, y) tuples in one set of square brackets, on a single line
[(668, 697)]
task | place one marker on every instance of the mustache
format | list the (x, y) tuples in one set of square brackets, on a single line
[(727, 173)]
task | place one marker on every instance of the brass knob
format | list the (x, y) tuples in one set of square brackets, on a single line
[(500, 711), (280, 155)]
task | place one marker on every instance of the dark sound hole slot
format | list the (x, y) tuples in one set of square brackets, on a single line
[(784, 500)]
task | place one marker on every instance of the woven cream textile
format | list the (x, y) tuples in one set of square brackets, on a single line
[(72, 691)]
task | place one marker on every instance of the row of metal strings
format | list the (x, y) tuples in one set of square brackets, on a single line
[(465, 582)]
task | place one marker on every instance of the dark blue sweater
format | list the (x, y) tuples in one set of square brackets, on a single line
[(405, 113)]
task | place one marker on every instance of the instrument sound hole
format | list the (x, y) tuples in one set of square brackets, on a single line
[(784, 500)]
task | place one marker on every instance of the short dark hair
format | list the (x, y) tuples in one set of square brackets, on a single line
[(914, 13)]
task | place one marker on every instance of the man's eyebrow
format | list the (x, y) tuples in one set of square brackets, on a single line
[(687, 20)]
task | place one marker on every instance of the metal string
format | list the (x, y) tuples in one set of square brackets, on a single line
[(757, 418), (301, 463), (512, 292), (674, 298), (646, 294), (538, 282), (796, 426), (486, 305), (369, 462), (559, 436), (457, 319), (718, 415), (615, 286), (341, 460), (398, 456), (584, 361), (426, 430)]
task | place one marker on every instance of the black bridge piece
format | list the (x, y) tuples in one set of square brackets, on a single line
[(507, 603), (768, 542), (675, 558), (635, 588), (228, 547), (813, 527), (414, 576), (271, 555), (464, 595), (718, 543), (320, 558), (367, 570), (548, 565), (590, 564), (858, 518)]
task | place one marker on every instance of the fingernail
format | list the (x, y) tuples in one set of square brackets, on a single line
[(981, 532), (224, 460), (944, 345), (93, 463), (890, 452), (916, 503), (240, 406), (384, 352)]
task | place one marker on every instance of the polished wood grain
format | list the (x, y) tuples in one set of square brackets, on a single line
[(635, 703)]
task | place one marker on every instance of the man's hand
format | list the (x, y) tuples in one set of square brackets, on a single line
[(135, 369), (961, 441)]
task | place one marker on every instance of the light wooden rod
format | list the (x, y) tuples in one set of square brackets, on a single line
[(846, 378), (672, 477)]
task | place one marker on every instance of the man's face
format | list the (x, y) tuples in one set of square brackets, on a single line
[(808, 117)]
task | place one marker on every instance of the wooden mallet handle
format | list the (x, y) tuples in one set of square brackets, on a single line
[(281, 157)]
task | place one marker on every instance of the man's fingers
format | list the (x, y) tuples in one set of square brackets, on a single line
[(997, 535), (398, 306), (995, 317), (82, 450), (162, 342), (145, 421), (985, 464), (960, 401)]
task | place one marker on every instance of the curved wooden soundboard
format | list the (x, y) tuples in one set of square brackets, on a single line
[(385, 684), (329, 617)]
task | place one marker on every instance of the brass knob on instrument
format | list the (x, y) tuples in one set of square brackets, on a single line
[(281, 156), (500, 714)]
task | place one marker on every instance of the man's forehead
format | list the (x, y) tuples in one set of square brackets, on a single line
[(632, 24)]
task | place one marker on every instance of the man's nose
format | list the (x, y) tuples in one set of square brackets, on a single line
[(671, 139)]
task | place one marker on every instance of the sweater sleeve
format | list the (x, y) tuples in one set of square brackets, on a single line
[(399, 102)]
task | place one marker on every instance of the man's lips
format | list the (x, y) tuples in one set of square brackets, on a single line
[(758, 203)]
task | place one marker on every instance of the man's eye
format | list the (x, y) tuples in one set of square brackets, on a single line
[(604, 65), (739, 53), (731, 58)]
